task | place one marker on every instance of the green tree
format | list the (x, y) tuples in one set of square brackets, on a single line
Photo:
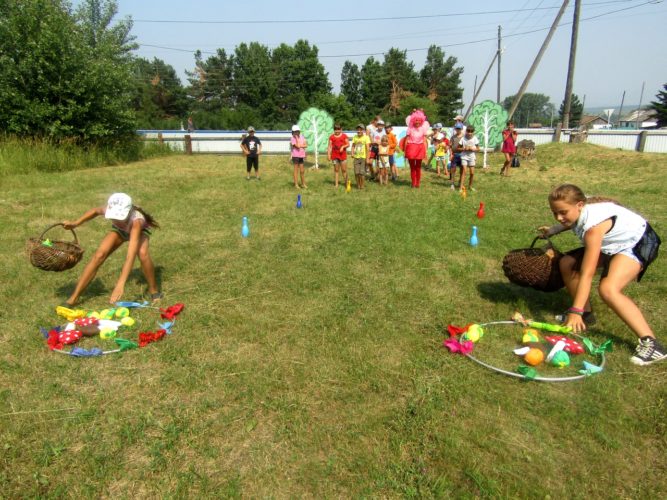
[(442, 80), (660, 106), (374, 87), (65, 76), (299, 77), (211, 81), (160, 97), (576, 110), (402, 79), (350, 85), (533, 108), (253, 82)]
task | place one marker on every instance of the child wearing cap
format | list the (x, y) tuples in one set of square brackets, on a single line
[(252, 148), (457, 137), (441, 144), (468, 146), (435, 130), (298, 146), (337, 152), (360, 151), (128, 223), (393, 144), (383, 160)]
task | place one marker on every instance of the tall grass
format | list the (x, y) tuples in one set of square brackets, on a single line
[(23, 156)]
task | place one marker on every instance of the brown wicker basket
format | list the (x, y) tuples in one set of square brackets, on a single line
[(58, 256), (534, 267)]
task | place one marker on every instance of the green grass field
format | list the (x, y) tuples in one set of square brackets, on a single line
[(309, 360)]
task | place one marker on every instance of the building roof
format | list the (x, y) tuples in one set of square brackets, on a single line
[(639, 115), (591, 119)]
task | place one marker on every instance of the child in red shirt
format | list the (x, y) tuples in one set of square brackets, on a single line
[(337, 152)]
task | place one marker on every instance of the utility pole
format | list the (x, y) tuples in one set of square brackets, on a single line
[(620, 111), (545, 44), (474, 98), (570, 67), (499, 54), (639, 111)]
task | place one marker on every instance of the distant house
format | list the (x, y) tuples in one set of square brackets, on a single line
[(595, 122), (639, 118)]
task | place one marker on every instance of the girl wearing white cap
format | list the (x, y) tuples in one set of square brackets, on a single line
[(298, 145), (128, 223)]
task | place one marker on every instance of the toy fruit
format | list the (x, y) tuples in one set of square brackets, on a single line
[(94, 314), (87, 326), (122, 312), (127, 321), (561, 359), (107, 313), (530, 335), (107, 333), (474, 333), (534, 356)]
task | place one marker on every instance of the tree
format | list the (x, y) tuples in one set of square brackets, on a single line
[(660, 106), (211, 81), (576, 110), (374, 87), (442, 80), (402, 79), (253, 82), (159, 93), (350, 85), (65, 76), (533, 108)]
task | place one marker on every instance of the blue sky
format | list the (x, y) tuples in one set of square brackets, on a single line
[(617, 51)]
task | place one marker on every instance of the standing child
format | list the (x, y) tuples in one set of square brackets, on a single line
[(360, 150), (128, 223), (383, 160), (298, 145), (509, 147), (620, 243), (468, 146), (393, 143), (441, 144), (252, 148), (337, 152), (457, 137), (436, 129)]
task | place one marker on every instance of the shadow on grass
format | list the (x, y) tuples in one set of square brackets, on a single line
[(531, 303), (97, 288)]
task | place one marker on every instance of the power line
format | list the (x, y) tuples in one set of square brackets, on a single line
[(348, 20)]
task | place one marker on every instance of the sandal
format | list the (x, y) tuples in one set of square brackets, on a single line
[(156, 297)]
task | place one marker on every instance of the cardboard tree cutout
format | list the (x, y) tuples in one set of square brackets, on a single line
[(316, 126), (489, 120)]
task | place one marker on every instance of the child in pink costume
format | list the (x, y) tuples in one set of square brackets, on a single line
[(416, 144)]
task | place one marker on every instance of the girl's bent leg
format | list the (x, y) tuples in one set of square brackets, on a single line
[(147, 266), (108, 246), (622, 270), (571, 277)]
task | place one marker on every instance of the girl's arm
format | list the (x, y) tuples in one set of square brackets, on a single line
[(592, 244), (329, 150), (90, 214), (345, 146), (132, 250), (546, 231)]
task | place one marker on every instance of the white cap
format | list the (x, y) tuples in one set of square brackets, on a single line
[(379, 122), (118, 206), (295, 128)]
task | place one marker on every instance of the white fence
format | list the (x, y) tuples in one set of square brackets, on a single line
[(277, 142)]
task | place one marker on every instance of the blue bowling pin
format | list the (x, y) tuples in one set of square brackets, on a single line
[(245, 230), (298, 201), (473, 239)]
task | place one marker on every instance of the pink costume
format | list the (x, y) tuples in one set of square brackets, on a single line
[(415, 144)]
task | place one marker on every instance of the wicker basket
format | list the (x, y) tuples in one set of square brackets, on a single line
[(534, 267), (58, 256)]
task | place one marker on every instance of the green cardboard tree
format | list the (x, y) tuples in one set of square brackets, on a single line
[(489, 119), (316, 126)]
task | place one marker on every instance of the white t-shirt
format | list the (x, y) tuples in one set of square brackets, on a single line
[(466, 143), (626, 232), (126, 225)]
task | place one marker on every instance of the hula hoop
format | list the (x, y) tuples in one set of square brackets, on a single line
[(521, 376)]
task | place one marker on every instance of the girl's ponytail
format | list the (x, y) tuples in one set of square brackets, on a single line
[(149, 218)]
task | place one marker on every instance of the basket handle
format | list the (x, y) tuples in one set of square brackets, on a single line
[(41, 236), (549, 242)]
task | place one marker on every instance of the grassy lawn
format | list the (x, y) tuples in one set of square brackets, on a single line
[(309, 361)]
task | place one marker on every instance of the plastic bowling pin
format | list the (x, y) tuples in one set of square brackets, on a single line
[(348, 186), (245, 230), (464, 193), (298, 201), (473, 239), (480, 212)]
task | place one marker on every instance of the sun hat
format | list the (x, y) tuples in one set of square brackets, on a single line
[(458, 125), (379, 122), (361, 125), (388, 125), (458, 118), (438, 125), (251, 129), (118, 206), (295, 128)]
